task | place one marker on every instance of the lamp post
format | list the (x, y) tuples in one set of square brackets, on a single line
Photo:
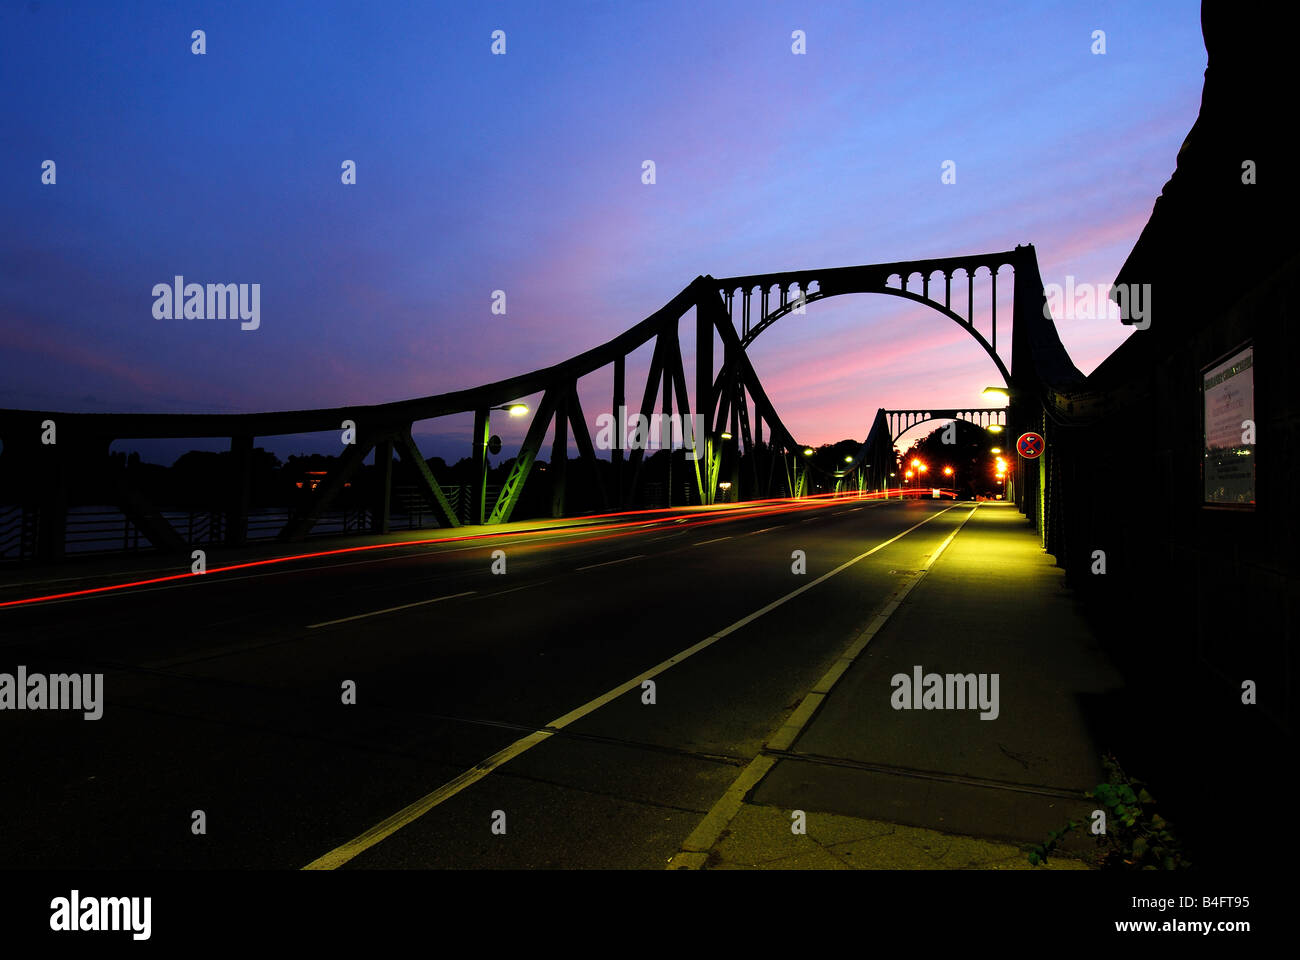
[(483, 445), (1015, 399)]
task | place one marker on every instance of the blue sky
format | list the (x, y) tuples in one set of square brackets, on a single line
[(522, 172)]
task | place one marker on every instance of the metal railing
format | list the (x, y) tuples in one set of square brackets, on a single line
[(103, 529)]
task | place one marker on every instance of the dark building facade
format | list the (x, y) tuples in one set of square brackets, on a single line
[(1153, 459)]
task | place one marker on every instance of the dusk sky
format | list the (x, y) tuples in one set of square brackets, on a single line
[(522, 172)]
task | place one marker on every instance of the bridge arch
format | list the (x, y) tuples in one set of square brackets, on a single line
[(890, 279)]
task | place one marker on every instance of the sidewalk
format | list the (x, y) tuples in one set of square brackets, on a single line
[(887, 788)]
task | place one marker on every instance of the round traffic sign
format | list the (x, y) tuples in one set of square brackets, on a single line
[(494, 444), (1030, 445)]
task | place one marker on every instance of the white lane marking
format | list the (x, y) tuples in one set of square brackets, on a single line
[(607, 563), (412, 812), (696, 847), (765, 529), (700, 543), (376, 613)]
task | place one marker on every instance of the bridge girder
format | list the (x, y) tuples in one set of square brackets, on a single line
[(721, 402)]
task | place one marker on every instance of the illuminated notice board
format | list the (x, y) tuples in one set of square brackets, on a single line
[(1228, 392)]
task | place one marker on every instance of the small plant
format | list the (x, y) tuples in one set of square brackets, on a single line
[(1136, 836)]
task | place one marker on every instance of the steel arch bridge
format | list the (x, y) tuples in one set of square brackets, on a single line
[(901, 421), (35, 472)]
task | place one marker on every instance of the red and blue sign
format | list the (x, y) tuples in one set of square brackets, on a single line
[(1031, 445)]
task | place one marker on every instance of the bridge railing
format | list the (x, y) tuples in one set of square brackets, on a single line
[(101, 529)]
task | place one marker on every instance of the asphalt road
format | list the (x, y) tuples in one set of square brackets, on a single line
[(224, 694)]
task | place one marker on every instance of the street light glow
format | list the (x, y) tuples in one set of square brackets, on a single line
[(517, 409)]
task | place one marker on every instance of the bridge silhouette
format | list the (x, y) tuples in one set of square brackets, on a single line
[(43, 449)]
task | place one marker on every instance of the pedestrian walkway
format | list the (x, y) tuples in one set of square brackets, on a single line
[(886, 777)]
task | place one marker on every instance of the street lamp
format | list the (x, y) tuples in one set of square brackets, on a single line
[(997, 393), (485, 443)]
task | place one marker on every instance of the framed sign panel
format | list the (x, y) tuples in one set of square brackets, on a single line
[(1228, 430)]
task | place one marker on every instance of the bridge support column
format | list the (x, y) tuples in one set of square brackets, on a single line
[(383, 494), (704, 395), (666, 442), (620, 407), (482, 424), (559, 456), (241, 468)]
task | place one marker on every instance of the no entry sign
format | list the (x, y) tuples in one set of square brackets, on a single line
[(1030, 445)]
